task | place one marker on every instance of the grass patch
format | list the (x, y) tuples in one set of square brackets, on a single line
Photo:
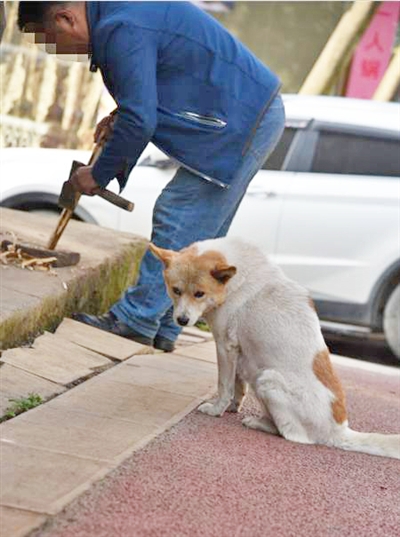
[(22, 405), (202, 325)]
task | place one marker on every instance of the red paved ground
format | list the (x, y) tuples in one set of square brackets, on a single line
[(211, 477)]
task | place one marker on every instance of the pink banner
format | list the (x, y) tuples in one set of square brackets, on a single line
[(373, 53)]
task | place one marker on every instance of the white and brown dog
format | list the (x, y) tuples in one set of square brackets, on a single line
[(268, 336)]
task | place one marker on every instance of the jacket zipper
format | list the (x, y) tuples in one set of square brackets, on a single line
[(196, 172), (208, 121)]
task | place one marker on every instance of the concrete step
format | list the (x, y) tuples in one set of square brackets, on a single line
[(34, 301)]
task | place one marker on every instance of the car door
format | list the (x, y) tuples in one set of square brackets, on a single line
[(339, 226), (259, 214), (146, 181)]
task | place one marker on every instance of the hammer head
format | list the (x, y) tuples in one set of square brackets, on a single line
[(69, 196)]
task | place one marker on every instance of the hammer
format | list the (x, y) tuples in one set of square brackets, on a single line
[(69, 197)]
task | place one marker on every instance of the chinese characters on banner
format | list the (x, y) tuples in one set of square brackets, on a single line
[(373, 53)]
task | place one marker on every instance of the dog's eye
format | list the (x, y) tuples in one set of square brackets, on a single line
[(176, 291), (198, 294)]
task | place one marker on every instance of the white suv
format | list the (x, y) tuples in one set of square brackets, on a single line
[(326, 205)]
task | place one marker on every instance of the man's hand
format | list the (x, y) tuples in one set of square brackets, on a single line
[(83, 181)]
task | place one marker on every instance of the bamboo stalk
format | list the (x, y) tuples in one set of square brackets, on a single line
[(345, 36), (391, 79), (2, 19)]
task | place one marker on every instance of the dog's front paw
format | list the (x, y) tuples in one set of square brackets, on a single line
[(212, 409), (234, 407)]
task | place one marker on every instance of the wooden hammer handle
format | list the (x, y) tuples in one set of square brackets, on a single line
[(119, 201), (66, 214)]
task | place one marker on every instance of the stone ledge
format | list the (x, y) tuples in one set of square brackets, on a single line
[(36, 301)]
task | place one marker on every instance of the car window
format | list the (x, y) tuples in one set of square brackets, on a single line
[(345, 153), (275, 160)]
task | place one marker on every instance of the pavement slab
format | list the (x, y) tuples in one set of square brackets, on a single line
[(37, 479), (177, 374), (107, 395), (13, 300), (99, 341), (56, 359), (17, 523), (51, 454), (212, 477), (16, 383), (82, 434), (203, 351)]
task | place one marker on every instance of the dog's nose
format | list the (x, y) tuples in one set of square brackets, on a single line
[(183, 320)]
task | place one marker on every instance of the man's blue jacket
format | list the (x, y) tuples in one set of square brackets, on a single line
[(181, 81)]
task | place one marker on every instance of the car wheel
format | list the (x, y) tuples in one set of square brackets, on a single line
[(45, 212), (44, 203), (391, 321)]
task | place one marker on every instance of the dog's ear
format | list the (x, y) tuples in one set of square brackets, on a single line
[(163, 255), (223, 274)]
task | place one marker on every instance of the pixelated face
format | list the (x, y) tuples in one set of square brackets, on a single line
[(65, 31), (59, 42), (195, 282)]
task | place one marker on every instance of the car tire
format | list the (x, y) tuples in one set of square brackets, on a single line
[(391, 321), (44, 203)]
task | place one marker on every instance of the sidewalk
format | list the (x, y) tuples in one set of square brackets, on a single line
[(53, 453)]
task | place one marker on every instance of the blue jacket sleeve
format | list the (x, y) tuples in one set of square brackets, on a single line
[(129, 69)]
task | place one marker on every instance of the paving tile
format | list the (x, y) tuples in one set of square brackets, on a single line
[(99, 341), (41, 480), (17, 523), (81, 434), (171, 361), (12, 301), (187, 339), (30, 282), (4, 404), (16, 383), (107, 398), (55, 359), (194, 331), (174, 374), (203, 351)]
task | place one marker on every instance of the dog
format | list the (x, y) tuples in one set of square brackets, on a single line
[(268, 337)]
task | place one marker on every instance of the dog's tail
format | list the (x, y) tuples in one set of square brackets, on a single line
[(384, 445)]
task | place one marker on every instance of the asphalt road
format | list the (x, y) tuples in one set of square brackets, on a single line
[(369, 351)]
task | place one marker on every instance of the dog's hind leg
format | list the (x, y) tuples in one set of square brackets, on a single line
[(264, 424), (272, 389), (241, 388)]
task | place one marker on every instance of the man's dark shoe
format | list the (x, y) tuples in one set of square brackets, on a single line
[(109, 323), (163, 344)]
